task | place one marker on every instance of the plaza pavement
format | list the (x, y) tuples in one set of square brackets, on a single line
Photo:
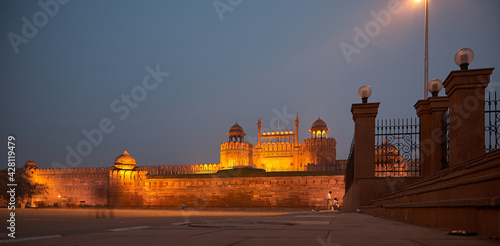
[(222, 227)]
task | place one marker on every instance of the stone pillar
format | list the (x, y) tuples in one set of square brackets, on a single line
[(364, 115), (465, 90), (431, 112)]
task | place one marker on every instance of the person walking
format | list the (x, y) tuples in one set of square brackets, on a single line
[(329, 201)]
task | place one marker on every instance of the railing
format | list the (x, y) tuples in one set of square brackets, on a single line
[(491, 128), (397, 148), (349, 170), (445, 139), (492, 122)]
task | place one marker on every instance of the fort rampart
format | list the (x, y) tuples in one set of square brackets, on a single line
[(136, 189), (76, 186)]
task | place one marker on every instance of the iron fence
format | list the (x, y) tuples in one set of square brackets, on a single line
[(492, 122), (445, 139), (349, 169), (397, 148)]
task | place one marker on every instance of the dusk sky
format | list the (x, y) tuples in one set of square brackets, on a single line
[(69, 67)]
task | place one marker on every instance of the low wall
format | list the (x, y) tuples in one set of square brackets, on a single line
[(364, 190), (216, 191), (464, 197)]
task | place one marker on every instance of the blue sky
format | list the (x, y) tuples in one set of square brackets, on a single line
[(244, 60)]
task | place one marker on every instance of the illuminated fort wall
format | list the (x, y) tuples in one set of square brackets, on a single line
[(137, 189), (130, 185), (233, 154), (320, 151), (71, 186), (278, 151), (128, 188)]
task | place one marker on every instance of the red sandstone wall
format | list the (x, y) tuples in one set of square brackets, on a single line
[(256, 192), (73, 185)]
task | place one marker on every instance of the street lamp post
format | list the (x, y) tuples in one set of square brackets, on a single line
[(426, 47)]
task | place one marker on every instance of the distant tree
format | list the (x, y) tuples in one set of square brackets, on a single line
[(26, 188)]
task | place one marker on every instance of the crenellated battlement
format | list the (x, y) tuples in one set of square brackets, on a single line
[(127, 174), (180, 169), (236, 145), (150, 169), (86, 170), (313, 142)]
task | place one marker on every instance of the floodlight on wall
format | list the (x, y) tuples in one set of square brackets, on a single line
[(464, 57), (364, 93), (435, 87)]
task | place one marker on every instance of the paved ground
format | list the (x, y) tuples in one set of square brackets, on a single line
[(231, 228)]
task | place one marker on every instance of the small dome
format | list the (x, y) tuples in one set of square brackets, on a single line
[(319, 128), (319, 123), (236, 128), (30, 164), (125, 161)]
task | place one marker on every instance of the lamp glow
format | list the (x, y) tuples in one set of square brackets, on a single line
[(464, 57), (364, 93), (435, 87)]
